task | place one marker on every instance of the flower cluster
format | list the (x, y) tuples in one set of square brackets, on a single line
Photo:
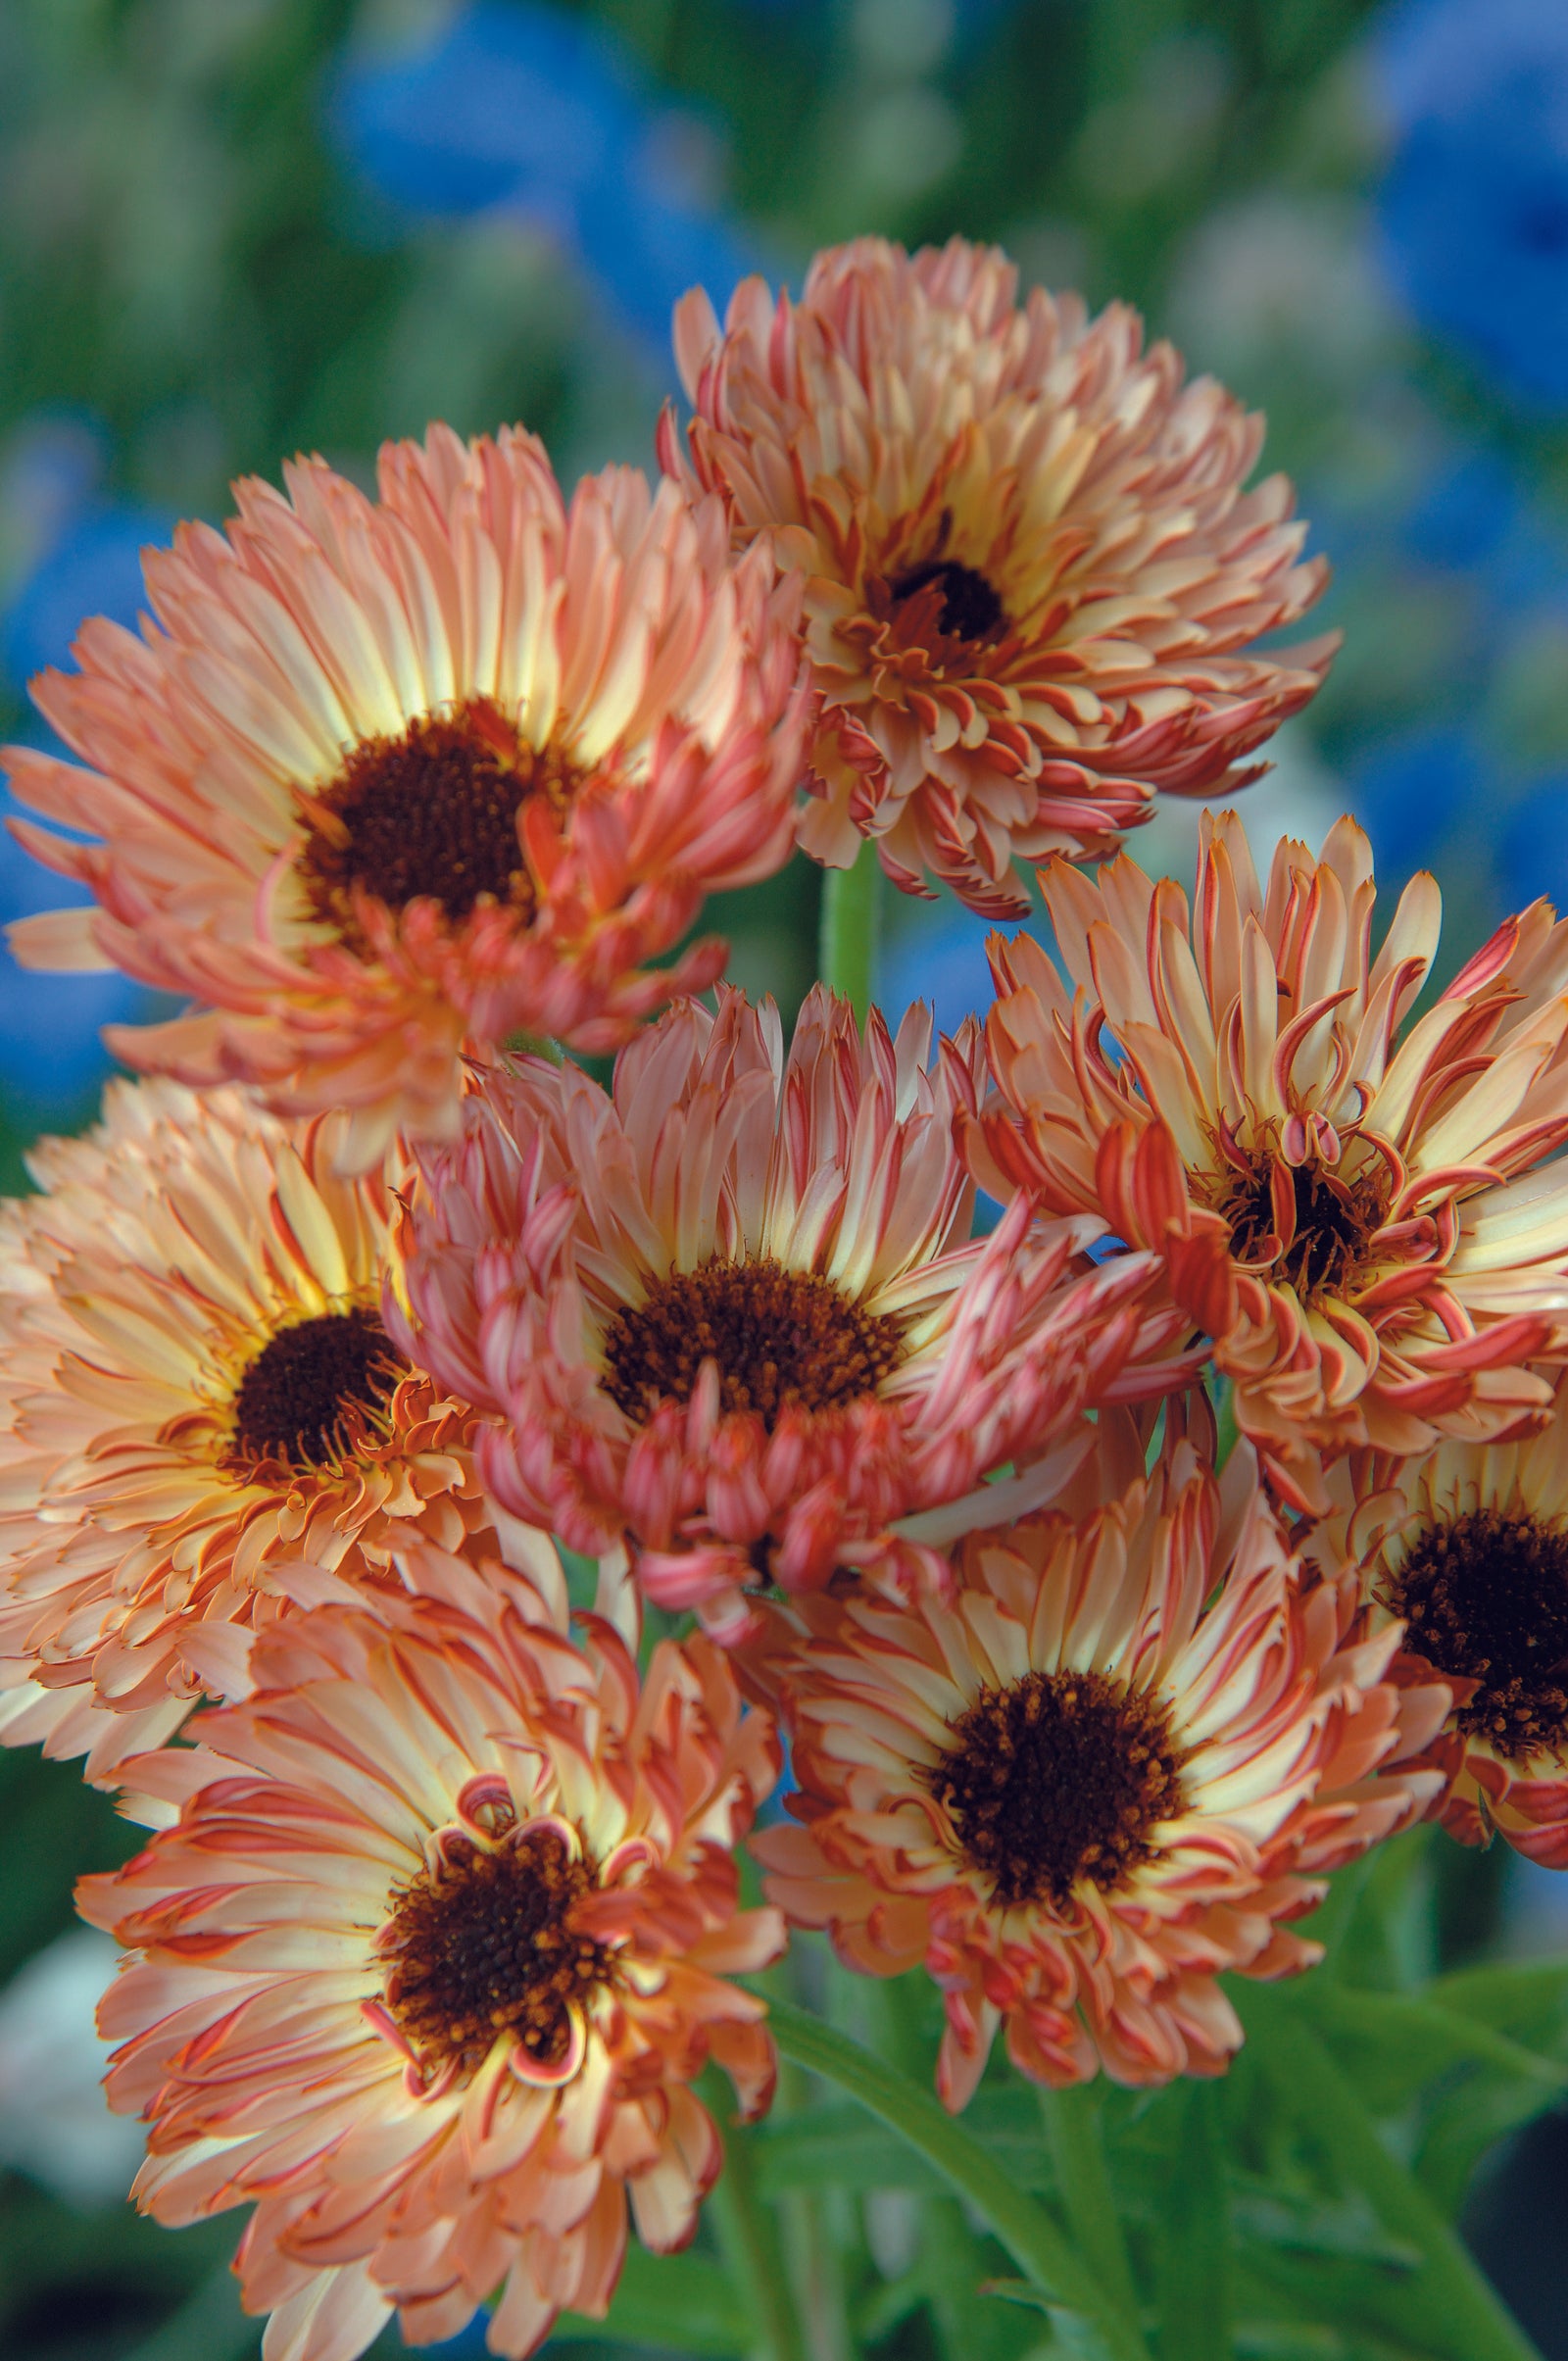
[(367, 1295)]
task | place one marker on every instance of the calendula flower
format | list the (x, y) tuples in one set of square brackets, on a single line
[(1468, 1547), (733, 1309), (387, 777), (1349, 1210), (1117, 1759), (431, 1953), (195, 1388), (1031, 575)]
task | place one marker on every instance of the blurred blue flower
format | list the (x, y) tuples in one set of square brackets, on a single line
[(508, 104), (970, 18), (940, 957), (1408, 793), (526, 108), (1462, 513), (50, 468), (1474, 207), (646, 242), (51, 1057), (94, 568), (1533, 855)]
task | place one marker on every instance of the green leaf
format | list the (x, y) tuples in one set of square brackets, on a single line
[(1272, 2340), (1192, 2243), (1360, 2305), (833, 2145), (1458, 2128), (1022, 2227), (1072, 2333), (1447, 2300), (1395, 2042), (1446, 2047), (681, 2301), (1382, 1936), (1528, 1998), (1270, 2214)]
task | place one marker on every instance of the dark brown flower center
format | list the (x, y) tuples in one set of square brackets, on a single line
[(313, 1389), (431, 813), (1318, 1249), (969, 606), (1060, 1777), (483, 1946), (1485, 1598), (780, 1337)]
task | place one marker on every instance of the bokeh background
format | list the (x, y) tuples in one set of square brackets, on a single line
[(231, 229)]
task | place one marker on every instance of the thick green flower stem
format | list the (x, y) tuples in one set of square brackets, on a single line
[(1072, 2128), (1458, 2304), (747, 2241), (1029, 2235), (953, 2256), (850, 928)]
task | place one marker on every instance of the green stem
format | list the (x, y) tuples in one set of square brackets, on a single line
[(953, 2258), (747, 2241), (1309, 2083), (1193, 2254), (1028, 2233), (1072, 2127), (852, 908)]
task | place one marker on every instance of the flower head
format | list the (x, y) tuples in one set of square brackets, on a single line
[(385, 777), (733, 1310), (1116, 1760), (1350, 1212), (1030, 572), (195, 1387), (431, 1953), (1468, 1549)]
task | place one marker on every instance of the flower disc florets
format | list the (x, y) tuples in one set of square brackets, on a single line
[(733, 1310), (429, 1946), (1030, 575), (1468, 1547), (385, 779), (196, 1389), (1346, 1205), (1114, 1759)]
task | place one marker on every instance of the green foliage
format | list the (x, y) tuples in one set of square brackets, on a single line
[(1302, 2209)]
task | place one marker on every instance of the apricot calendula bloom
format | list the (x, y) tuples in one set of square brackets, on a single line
[(733, 1309), (195, 1387), (1115, 1762), (1349, 1213), (1469, 1548), (431, 1953), (1031, 575), (387, 777)]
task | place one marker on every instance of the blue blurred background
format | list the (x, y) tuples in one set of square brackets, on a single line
[(234, 229)]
